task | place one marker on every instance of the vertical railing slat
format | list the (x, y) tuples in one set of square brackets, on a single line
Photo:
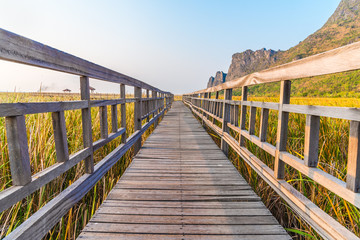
[(264, 120), (86, 123), (311, 147), (244, 96), (123, 112), (281, 137), (61, 144), (104, 132), (18, 150), (114, 118), (137, 117), (226, 119), (353, 165)]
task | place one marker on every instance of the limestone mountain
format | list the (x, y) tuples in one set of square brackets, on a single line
[(219, 78), (342, 28)]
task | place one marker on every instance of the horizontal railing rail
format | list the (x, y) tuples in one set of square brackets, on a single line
[(150, 108), (221, 115)]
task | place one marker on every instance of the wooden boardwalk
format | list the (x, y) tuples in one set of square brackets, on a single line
[(181, 186)]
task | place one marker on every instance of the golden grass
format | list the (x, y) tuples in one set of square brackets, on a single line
[(42, 155), (333, 145)]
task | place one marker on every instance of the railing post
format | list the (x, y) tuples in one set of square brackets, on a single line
[(123, 112), (18, 150), (61, 144), (216, 107), (104, 132), (244, 96), (114, 118), (147, 105), (86, 123), (264, 119), (226, 118), (281, 136), (311, 140), (137, 117), (154, 95), (353, 165)]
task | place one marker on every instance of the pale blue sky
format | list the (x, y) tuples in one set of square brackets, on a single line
[(175, 45)]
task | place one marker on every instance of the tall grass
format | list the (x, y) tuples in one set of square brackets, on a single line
[(42, 155), (333, 145)]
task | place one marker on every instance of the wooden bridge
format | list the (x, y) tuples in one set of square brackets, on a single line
[(180, 185)]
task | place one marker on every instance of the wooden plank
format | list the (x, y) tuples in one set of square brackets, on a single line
[(44, 219), (60, 137), (114, 118), (311, 146), (244, 96), (104, 130), (86, 123), (226, 119), (12, 195), (123, 112), (17, 109), (281, 136), (353, 167), (325, 225), (180, 184), (137, 117), (18, 150), (264, 120)]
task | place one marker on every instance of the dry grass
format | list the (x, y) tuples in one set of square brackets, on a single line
[(333, 145), (42, 155)]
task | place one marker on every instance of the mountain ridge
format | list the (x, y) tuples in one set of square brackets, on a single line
[(342, 28)]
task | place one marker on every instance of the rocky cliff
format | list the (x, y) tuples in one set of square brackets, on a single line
[(219, 78), (343, 27), (250, 61)]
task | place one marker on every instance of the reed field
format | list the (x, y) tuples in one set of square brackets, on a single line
[(333, 151), (42, 155), (334, 134)]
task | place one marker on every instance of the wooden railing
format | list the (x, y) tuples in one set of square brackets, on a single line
[(223, 115), (22, 50)]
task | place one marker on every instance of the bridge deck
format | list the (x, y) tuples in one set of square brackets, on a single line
[(181, 186)]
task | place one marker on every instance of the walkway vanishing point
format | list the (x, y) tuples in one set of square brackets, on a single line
[(181, 186)]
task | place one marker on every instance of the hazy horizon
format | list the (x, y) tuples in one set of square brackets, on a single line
[(173, 45)]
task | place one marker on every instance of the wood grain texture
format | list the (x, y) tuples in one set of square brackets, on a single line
[(44, 219), (18, 150), (180, 184), (325, 225), (353, 166), (226, 119), (282, 129), (311, 146), (86, 123), (60, 137)]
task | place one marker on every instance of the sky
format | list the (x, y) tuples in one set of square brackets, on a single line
[(175, 45)]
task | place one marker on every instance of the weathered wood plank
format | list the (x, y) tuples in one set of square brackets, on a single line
[(180, 184), (18, 150), (60, 137)]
